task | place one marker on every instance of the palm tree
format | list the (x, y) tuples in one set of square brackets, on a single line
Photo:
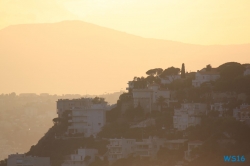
[(160, 102)]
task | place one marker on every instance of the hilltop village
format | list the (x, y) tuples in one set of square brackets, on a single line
[(169, 118)]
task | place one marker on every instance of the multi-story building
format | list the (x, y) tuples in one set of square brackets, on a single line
[(148, 147), (188, 115), (87, 120), (66, 104), (81, 157), (192, 145), (205, 76), (84, 116), (147, 98), (218, 107), (242, 113), (23, 160), (120, 148), (175, 144)]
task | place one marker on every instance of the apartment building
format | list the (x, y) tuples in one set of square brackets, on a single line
[(145, 148), (218, 107), (87, 120), (148, 147), (175, 144), (66, 104), (242, 113), (120, 148), (205, 76), (81, 157), (147, 97), (188, 115), (23, 160)]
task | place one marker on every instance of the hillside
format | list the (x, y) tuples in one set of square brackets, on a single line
[(75, 57)]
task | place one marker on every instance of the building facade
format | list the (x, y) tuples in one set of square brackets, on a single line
[(242, 113), (81, 157), (147, 98), (23, 160), (87, 120), (205, 76), (188, 115), (120, 148), (218, 107)]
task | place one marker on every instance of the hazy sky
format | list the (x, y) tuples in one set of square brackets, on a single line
[(189, 21)]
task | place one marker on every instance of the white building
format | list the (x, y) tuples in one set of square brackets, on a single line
[(81, 157), (247, 71), (242, 113), (66, 104), (23, 160), (120, 148), (218, 107), (88, 120), (147, 98), (188, 115), (205, 76), (169, 79), (192, 145), (175, 144), (148, 147)]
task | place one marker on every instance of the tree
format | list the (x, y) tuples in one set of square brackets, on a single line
[(171, 71), (160, 101), (231, 70), (208, 67), (153, 72), (98, 100), (56, 121), (183, 73)]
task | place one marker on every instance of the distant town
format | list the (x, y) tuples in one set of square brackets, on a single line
[(168, 118)]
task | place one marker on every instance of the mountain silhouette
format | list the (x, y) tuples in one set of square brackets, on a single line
[(79, 57)]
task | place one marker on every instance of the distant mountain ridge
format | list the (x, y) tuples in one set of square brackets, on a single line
[(75, 56)]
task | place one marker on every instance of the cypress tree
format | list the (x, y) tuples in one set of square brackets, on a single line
[(183, 73)]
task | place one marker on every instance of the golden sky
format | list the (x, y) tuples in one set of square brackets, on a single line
[(190, 21)]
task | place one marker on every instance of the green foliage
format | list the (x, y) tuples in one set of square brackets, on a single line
[(153, 72), (231, 70), (171, 71), (113, 114), (134, 113), (57, 149), (208, 67), (98, 100)]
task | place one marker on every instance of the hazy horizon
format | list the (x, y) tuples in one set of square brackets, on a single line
[(75, 57)]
